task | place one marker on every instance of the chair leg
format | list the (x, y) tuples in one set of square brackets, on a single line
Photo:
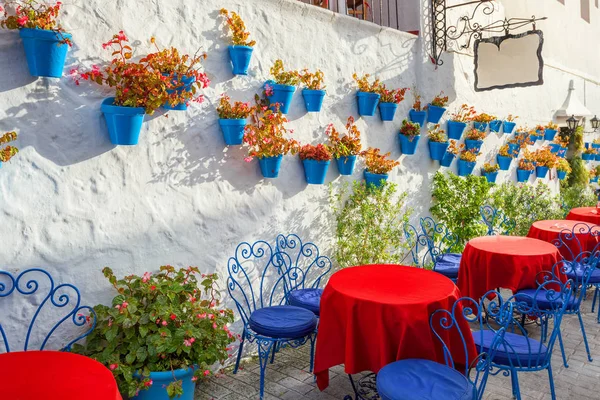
[(551, 379), (312, 351), (515, 384), (239, 356), (273, 353), (264, 350), (587, 347), (594, 298), (562, 349)]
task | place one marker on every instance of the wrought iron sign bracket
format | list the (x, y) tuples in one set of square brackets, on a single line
[(467, 29)]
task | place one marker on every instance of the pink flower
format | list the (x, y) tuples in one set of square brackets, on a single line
[(164, 323), (267, 140), (153, 287), (192, 340), (268, 90), (173, 317), (148, 383), (110, 322), (113, 366), (210, 316), (206, 373), (105, 45), (214, 325), (194, 379), (248, 159), (121, 36), (1, 9), (22, 20), (147, 275), (187, 343)]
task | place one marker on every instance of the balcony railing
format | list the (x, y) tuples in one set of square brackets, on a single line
[(398, 14)]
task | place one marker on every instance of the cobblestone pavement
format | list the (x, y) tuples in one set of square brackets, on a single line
[(288, 377)]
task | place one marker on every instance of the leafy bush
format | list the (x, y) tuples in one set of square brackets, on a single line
[(577, 196), (579, 175)]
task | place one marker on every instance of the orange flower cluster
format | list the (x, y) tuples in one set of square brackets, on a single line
[(239, 35), (469, 155), (545, 158), (32, 14), (312, 80), (410, 129), (347, 145), (475, 134), (364, 85), (483, 118), (283, 77), (237, 110), (453, 148), (391, 95), (436, 134), (319, 152), (490, 168), (378, 163), (464, 114), (9, 151), (440, 100)]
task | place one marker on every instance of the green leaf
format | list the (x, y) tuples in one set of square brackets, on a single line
[(141, 354), (143, 330)]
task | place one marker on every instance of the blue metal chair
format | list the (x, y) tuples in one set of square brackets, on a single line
[(257, 283), (518, 351), (496, 221), (440, 243), (51, 299), (425, 379)]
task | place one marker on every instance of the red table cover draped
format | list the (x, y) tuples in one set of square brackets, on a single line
[(510, 262), (549, 230), (586, 214), (53, 375), (373, 315)]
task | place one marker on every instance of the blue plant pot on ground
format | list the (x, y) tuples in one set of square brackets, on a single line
[(561, 174), (387, 111), (160, 380), (541, 172), (523, 175), (481, 126), (367, 103), (434, 113), (408, 147), (417, 116), (186, 84), (447, 159), (508, 127), (473, 144), (587, 156), (456, 129), (124, 123), (346, 165), (374, 179), (554, 147), (233, 130), (465, 167), (315, 171), (549, 134), (240, 59), (495, 126), (514, 149), (490, 176), (503, 162), (44, 51), (437, 150), (282, 95), (313, 99), (270, 166)]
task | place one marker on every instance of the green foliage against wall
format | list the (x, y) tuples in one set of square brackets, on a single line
[(579, 175)]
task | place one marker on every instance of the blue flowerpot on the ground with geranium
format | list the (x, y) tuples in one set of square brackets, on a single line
[(408, 145), (185, 84), (523, 175), (473, 144), (587, 156), (346, 165), (495, 125), (507, 127), (490, 176), (549, 134), (541, 172), (437, 150), (465, 167), (233, 130), (480, 126), (124, 123), (514, 149), (270, 166), (240, 59), (375, 179), (503, 162), (417, 116), (315, 171), (160, 381), (554, 147), (367, 103), (447, 159), (387, 111), (561, 174), (282, 95), (434, 113), (45, 50), (313, 99), (456, 129)]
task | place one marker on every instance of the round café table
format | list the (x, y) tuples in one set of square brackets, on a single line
[(373, 315), (54, 375), (586, 237), (510, 262), (586, 214)]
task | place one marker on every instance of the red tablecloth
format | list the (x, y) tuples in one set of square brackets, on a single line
[(586, 214), (373, 315), (510, 262), (53, 375), (549, 231)]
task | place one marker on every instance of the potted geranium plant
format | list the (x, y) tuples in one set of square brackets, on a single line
[(550, 131), (437, 108), (368, 94), (589, 154), (438, 142), (417, 113), (536, 134), (232, 119), (7, 152), (313, 92), (378, 166), (451, 152), (509, 124), (281, 89), (240, 51), (45, 41), (539, 130), (562, 168), (458, 121), (410, 133), (466, 161), (474, 139), (265, 138), (505, 157), (544, 161), (559, 146), (316, 159), (490, 172), (481, 121), (389, 100), (593, 175), (345, 148), (525, 168)]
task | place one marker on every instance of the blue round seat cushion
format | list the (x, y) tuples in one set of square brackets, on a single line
[(447, 264), (543, 299), (521, 350), (283, 322), (415, 379), (577, 272), (306, 298)]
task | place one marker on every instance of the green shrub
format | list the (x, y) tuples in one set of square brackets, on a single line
[(579, 175), (577, 196)]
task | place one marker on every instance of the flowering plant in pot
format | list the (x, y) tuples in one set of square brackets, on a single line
[(593, 175), (539, 129), (314, 92), (559, 145), (525, 168), (536, 135), (596, 143), (562, 168), (316, 159), (410, 133), (490, 172), (458, 121), (451, 152), (378, 166), (437, 108), (161, 332), (389, 100), (589, 154), (509, 124), (550, 131), (417, 113), (265, 138), (544, 161), (232, 119), (474, 139), (281, 89), (481, 121), (9, 151), (438, 142), (368, 94), (466, 161), (505, 157), (345, 148), (240, 50), (45, 41)]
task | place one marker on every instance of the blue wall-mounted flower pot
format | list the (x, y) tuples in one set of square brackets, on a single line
[(434, 113), (45, 51), (313, 99), (490, 176), (346, 165), (562, 152), (124, 123), (233, 130), (508, 127), (587, 156), (240, 59), (465, 167), (186, 84), (597, 157), (503, 162), (408, 146), (160, 380), (594, 180), (549, 134), (541, 172), (270, 166), (534, 138), (447, 159), (315, 171), (473, 144), (437, 150), (417, 116), (282, 95), (554, 147), (375, 179), (481, 126), (495, 126), (561, 174), (387, 111), (367, 103), (523, 175), (596, 145), (514, 149), (456, 129)]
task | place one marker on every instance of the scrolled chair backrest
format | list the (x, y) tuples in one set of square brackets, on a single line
[(579, 270), (440, 239), (569, 243), (47, 300), (496, 221), (417, 243)]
